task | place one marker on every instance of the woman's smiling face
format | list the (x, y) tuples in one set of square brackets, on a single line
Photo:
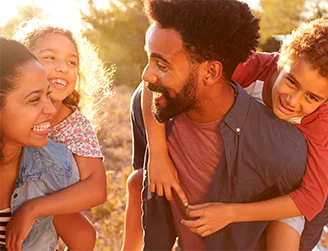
[(26, 114)]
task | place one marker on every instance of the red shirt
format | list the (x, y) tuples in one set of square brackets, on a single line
[(254, 75)]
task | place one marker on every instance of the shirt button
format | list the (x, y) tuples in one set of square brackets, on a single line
[(237, 129), (15, 195)]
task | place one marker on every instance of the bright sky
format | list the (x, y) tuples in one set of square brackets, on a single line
[(63, 11)]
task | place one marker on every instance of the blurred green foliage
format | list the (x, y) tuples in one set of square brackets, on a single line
[(119, 33), (280, 17)]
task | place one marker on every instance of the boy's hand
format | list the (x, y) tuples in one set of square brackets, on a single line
[(208, 218), (163, 176)]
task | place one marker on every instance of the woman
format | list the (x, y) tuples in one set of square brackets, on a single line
[(31, 166)]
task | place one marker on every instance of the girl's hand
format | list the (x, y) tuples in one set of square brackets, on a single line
[(18, 228), (210, 218), (163, 176)]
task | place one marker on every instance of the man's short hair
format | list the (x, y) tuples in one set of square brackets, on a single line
[(223, 30)]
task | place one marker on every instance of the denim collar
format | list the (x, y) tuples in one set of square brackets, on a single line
[(237, 115), (30, 165)]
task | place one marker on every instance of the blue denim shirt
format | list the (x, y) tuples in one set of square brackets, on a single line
[(264, 157), (43, 171)]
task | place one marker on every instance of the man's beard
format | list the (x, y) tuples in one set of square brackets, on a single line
[(185, 100)]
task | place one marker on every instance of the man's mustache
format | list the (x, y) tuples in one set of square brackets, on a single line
[(156, 88)]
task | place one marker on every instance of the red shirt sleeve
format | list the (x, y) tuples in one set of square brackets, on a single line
[(311, 195), (259, 66)]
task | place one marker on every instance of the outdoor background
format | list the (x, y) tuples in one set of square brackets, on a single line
[(117, 28)]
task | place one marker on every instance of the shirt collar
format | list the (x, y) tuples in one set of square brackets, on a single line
[(237, 115)]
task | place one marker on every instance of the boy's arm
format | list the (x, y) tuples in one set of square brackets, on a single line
[(162, 173), (259, 66), (312, 194), (211, 217)]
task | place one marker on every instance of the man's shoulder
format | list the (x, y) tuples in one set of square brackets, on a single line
[(273, 129), (259, 123), (135, 108), (135, 102)]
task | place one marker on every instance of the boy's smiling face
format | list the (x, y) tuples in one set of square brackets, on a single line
[(298, 91)]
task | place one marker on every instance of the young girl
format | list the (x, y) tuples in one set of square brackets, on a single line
[(58, 52), (31, 166), (296, 91)]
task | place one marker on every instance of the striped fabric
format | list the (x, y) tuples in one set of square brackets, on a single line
[(5, 215)]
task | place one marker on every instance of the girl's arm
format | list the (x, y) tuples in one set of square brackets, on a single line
[(162, 173), (87, 193)]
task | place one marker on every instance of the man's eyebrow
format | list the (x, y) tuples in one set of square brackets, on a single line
[(158, 56)]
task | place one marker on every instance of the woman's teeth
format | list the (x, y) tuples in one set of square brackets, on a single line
[(41, 127)]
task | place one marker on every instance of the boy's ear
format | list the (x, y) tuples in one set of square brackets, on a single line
[(213, 72)]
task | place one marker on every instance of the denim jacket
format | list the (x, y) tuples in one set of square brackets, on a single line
[(263, 157), (43, 171)]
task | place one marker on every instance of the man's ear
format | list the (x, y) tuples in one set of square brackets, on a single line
[(212, 73)]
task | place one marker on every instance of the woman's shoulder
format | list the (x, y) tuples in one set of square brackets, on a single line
[(53, 163), (53, 153)]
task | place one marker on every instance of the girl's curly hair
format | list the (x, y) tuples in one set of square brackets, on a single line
[(94, 82)]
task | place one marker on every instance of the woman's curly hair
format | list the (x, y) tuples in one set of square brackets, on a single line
[(223, 30), (94, 82), (310, 43)]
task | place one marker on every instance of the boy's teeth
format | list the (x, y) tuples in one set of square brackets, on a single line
[(41, 127)]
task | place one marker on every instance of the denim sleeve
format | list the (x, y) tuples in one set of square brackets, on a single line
[(75, 171), (139, 142)]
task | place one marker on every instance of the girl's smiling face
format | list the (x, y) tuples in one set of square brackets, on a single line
[(298, 91), (59, 57)]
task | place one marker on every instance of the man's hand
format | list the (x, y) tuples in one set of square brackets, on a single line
[(163, 176), (210, 218), (18, 228)]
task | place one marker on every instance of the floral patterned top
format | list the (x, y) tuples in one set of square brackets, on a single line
[(77, 133)]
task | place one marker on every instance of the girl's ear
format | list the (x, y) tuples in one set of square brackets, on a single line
[(213, 72)]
